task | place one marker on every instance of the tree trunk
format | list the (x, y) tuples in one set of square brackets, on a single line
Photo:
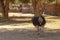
[(5, 8), (36, 7)]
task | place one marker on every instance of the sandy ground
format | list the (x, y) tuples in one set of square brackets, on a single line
[(17, 30)]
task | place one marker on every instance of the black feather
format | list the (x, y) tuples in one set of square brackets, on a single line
[(36, 22)]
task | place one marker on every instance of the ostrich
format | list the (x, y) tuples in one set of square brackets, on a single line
[(38, 20)]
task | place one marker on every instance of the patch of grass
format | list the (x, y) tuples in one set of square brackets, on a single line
[(2, 20)]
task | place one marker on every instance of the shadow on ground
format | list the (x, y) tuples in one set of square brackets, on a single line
[(9, 22), (28, 34)]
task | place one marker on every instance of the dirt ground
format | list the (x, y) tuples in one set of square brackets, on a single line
[(12, 30)]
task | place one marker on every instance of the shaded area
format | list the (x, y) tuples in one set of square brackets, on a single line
[(14, 22), (28, 34)]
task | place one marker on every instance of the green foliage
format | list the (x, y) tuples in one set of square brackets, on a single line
[(12, 1), (15, 1), (51, 0), (19, 1), (24, 1)]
